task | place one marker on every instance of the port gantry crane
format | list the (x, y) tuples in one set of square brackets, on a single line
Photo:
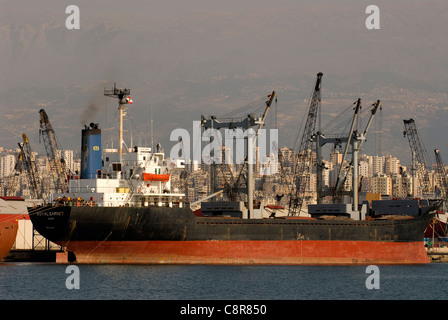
[(419, 154), (29, 164), (302, 164), (59, 172)]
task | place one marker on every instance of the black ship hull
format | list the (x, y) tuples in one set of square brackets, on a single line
[(176, 235)]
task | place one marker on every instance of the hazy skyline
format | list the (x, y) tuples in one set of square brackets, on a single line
[(186, 58)]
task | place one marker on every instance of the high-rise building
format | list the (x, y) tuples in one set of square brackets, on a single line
[(77, 166), (327, 169), (7, 164), (336, 158), (364, 169), (391, 165), (381, 183), (287, 157), (67, 155), (377, 165)]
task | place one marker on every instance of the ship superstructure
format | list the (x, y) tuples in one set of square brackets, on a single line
[(119, 177), (135, 178)]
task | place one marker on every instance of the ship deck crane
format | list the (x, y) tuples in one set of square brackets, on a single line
[(354, 139), (60, 172), (247, 122), (419, 154), (342, 176)]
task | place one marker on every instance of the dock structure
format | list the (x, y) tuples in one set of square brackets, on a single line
[(439, 254), (30, 246)]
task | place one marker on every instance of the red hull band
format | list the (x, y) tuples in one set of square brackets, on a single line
[(249, 252), (8, 233)]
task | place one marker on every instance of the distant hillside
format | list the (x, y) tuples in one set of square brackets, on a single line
[(210, 59)]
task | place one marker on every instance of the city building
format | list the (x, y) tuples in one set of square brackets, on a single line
[(382, 183), (273, 176), (7, 164)]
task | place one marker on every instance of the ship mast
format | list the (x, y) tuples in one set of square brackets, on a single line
[(123, 98)]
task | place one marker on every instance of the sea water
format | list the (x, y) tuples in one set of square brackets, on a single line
[(42, 281)]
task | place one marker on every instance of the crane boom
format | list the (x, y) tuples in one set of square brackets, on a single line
[(303, 161), (353, 134), (57, 162), (442, 174), (30, 168), (341, 174), (410, 130)]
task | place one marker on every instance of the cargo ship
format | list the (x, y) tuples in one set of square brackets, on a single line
[(174, 235), (121, 210)]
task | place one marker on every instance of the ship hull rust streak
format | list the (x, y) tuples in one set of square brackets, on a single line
[(304, 252)]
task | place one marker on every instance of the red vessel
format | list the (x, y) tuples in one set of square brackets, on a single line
[(8, 233), (12, 209)]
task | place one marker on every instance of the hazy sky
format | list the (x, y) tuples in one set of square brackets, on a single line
[(182, 59)]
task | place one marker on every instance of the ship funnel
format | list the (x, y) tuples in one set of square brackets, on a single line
[(91, 161)]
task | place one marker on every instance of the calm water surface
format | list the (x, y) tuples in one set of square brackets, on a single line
[(48, 281)]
